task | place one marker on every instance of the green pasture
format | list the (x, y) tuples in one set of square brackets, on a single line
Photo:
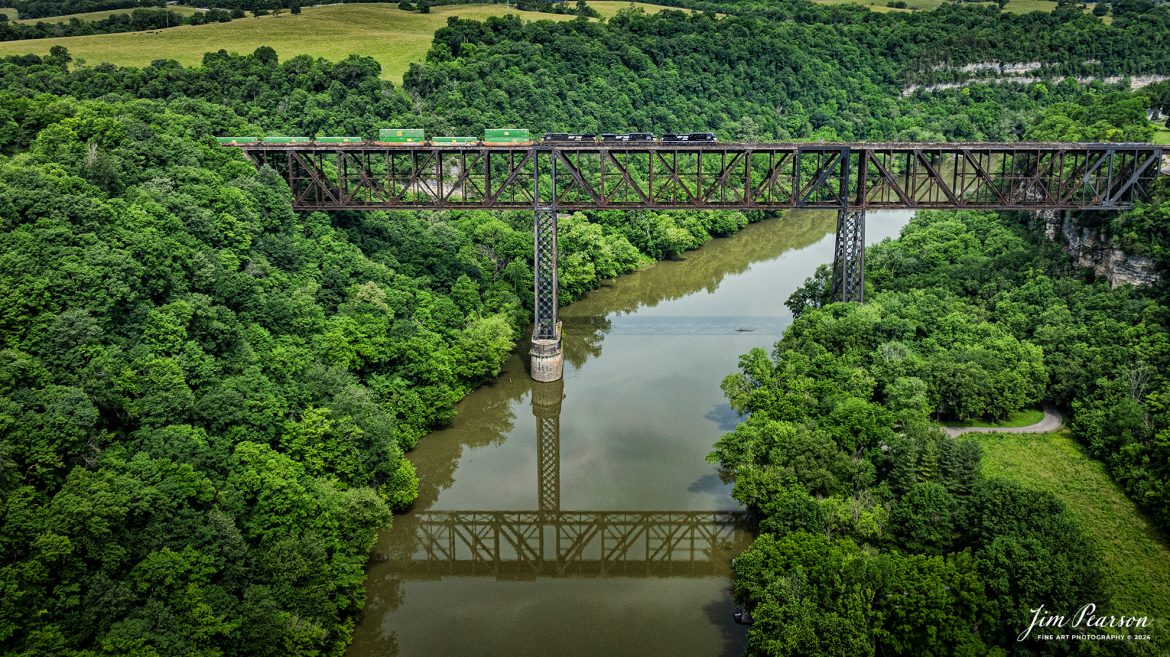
[(1135, 556)]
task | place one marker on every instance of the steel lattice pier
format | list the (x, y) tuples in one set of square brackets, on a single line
[(849, 256), (848, 177)]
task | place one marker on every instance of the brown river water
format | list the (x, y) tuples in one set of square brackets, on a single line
[(579, 518)]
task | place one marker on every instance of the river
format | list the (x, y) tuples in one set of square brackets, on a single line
[(580, 518)]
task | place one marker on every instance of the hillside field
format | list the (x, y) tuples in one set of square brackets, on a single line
[(1016, 6), (393, 37), (1135, 557), (95, 15)]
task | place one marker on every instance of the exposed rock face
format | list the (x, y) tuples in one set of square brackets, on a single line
[(1089, 248)]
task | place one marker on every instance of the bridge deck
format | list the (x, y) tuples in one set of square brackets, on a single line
[(1006, 176)]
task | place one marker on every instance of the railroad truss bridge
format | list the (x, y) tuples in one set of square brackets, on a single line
[(849, 178)]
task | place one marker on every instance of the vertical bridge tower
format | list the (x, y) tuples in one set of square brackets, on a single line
[(547, 358), (850, 178)]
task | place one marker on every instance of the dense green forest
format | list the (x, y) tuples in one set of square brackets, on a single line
[(205, 396), (876, 523)]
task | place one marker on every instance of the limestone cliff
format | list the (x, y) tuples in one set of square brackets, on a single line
[(1089, 247)]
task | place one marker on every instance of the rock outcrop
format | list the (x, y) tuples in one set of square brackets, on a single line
[(1089, 247)]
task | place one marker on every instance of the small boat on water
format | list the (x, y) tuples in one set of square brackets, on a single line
[(743, 617)]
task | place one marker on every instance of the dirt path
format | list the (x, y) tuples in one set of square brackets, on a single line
[(1051, 422)]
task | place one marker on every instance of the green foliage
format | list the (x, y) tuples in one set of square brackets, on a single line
[(165, 303), (204, 396), (1135, 555), (1105, 350), (874, 520), (815, 596), (1111, 117), (771, 70)]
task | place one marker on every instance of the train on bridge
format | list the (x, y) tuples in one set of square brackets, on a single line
[(491, 137), (508, 169)]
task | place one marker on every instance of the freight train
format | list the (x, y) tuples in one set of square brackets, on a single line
[(491, 137)]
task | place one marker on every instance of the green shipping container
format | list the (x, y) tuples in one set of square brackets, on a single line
[(454, 140), (231, 141), (402, 135), (286, 140), (339, 140), (506, 135)]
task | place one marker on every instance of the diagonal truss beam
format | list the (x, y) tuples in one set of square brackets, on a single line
[(859, 176), (587, 543)]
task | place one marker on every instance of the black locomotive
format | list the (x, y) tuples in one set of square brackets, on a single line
[(699, 137), (562, 137), (626, 137)]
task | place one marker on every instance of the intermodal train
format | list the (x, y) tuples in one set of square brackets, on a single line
[(491, 137)]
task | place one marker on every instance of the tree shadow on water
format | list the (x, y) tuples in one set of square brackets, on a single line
[(734, 637)]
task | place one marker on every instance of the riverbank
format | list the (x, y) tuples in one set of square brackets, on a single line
[(858, 492), (554, 509)]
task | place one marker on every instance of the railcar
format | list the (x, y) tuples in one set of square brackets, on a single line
[(448, 141), (491, 137), (398, 136), (506, 137), (629, 136), (568, 137), (690, 138)]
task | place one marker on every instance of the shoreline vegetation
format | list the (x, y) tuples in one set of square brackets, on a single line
[(857, 491)]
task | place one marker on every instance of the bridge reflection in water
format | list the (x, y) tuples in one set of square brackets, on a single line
[(530, 544), (550, 542), (592, 526)]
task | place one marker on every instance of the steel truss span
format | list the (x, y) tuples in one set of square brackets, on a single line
[(1009, 176), (528, 544)]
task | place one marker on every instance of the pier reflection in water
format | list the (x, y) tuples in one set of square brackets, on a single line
[(579, 518), (550, 542)]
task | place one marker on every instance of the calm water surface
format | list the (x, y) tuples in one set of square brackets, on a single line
[(580, 518)]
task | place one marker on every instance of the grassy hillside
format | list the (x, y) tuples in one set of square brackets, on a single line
[(393, 37), (608, 8), (1017, 6), (94, 15), (1162, 135), (1135, 556)]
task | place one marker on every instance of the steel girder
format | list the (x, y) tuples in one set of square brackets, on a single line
[(1014, 176), (544, 237), (849, 257)]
